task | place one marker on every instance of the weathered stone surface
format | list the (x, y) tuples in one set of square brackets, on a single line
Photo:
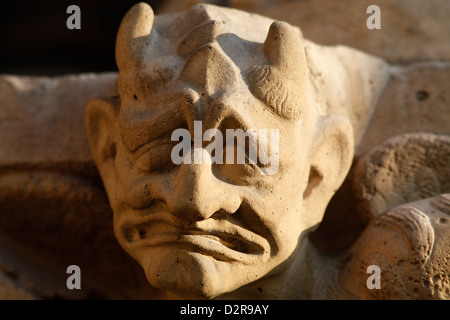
[(403, 169), (411, 246), (40, 117), (411, 30), (415, 99), (175, 220), (51, 198), (329, 103)]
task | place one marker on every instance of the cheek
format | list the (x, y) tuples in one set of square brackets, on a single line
[(292, 179), (279, 209), (132, 187), (294, 158), (284, 204), (287, 224)]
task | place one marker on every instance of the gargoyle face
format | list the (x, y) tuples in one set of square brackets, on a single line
[(205, 229)]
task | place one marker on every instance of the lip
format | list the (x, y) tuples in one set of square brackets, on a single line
[(220, 239)]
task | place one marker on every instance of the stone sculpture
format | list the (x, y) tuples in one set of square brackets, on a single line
[(215, 230), (334, 122), (410, 244)]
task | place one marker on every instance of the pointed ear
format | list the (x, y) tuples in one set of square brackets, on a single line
[(331, 159), (101, 115)]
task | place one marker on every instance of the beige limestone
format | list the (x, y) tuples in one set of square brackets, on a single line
[(51, 199), (406, 237), (231, 224), (46, 164), (416, 99), (217, 231), (32, 127), (402, 169), (411, 30), (410, 244)]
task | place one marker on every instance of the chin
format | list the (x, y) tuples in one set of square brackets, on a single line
[(193, 275)]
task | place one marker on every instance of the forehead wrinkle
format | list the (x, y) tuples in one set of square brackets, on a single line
[(140, 127)]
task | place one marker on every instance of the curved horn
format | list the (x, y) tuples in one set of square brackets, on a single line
[(135, 26)]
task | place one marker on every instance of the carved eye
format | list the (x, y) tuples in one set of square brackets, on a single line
[(155, 158), (236, 173)]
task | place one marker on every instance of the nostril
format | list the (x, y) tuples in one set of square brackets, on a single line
[(221, 214), (142, 233), (128, 235)]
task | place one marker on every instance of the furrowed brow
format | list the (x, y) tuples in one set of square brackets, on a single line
[(138, 128)]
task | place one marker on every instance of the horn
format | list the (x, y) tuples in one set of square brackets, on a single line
[(281, 83), (131, 38), (284, 49)]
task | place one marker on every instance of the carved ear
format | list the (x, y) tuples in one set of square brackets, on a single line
[(101, 117), (330, 161)]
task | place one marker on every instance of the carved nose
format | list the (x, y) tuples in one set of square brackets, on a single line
[(198, 194)]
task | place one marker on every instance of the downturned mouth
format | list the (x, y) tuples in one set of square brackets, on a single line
[(235, 243)]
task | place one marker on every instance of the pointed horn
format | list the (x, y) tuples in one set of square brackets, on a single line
[(281, 84), (134, 29), (283, 47)]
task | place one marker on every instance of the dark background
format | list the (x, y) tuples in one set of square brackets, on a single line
[(34, 39)]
